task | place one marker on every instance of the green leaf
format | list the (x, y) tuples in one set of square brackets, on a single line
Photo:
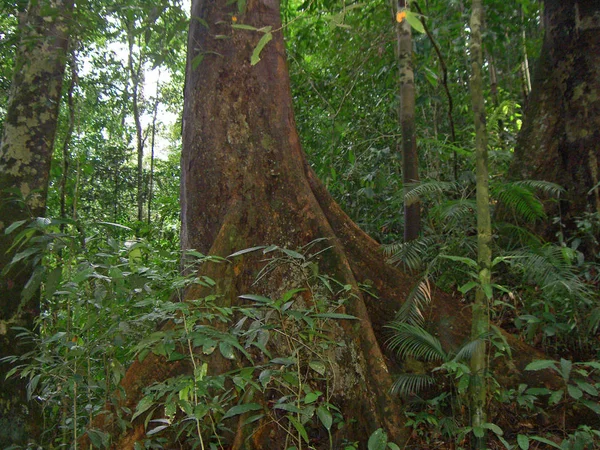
[(336, 316), (318, 366), (378, 440), (493, 428), (158, 429), (594, 406), (98, 438), (546, 441), (468, 261), (144, 405), (565, 368), (478, 432), (246, 250), (414, 21), (226, 350), (587, 387), (241, 409), (259, 47), (299, 427), (256, 298), (311, 397), (289, 407), (467, 287), (523, 441), (241, 26), (325, 417), (487, 289), (540, 364), (574, 392), (24, 254), (13, 226), (555, 397), (393, 446)]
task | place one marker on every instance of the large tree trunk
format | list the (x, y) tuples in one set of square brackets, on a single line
[(560, 137), (245, 183), (25, 155)]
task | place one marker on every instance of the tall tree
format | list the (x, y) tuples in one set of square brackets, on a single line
[(406, 114), (25, 156), (480, 323), (560, 137)]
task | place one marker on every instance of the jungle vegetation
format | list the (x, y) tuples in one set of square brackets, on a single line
[(299, 224)]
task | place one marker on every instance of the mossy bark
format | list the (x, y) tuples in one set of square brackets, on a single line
[(560, 137), (25, 155)]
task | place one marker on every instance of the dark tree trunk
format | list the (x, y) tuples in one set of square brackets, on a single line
[(246, 182), (406, 115), (25, 156), (560, 137)]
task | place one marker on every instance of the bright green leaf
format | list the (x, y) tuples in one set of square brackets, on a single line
[(256, 53)]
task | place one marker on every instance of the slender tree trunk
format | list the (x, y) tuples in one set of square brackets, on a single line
[(151, 180), (68, 137), (406, 113), (135, 72), (480, 324), (25, 156), (560, 137)]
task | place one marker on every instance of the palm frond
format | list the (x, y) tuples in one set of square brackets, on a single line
[(412, 253), (594, 320), (517, 236), (466, 351), (544, 187), (550, 268), (454, 212), (411, 383), (520, 199), (418, 299), (416, 191), (410, 341)]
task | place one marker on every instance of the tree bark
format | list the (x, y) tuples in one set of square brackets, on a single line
[(560, 137), (25, 156)]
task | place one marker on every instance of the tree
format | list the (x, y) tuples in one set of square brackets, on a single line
[(25, 156), (560, 137), (480, 324), (246, 183), (406, 115)]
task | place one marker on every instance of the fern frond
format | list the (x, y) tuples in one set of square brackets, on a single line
[(411, 383), (414, 342)]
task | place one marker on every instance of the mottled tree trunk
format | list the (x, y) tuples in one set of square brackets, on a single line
[(480, 325), (25, 155), (560, 137)]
